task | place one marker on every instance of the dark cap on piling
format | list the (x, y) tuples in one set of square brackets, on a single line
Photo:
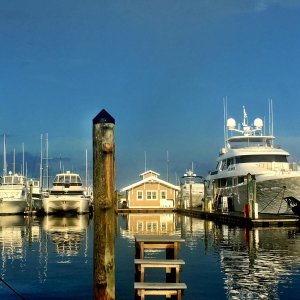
[(103, 117)]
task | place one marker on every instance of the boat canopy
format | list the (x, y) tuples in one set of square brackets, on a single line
[(12, 180), (67, 178)]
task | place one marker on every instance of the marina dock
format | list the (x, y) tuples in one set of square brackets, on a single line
[(172, 287), (238, 219)]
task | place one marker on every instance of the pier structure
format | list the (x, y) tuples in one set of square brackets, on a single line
[(172, 287), (104, 207)]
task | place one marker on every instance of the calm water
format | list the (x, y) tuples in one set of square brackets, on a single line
[(52, 258)]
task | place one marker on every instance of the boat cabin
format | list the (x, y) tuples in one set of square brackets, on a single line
[(67, 179)]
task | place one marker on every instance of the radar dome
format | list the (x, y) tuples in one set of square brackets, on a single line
[(258, 123), (231, 123)]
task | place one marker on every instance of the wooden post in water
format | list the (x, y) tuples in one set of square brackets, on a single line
[(104, 210)]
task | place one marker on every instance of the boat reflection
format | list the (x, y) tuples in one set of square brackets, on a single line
[(255, 263), (12, 230), (67, 233)]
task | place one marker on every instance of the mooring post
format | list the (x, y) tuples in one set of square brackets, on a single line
[(104, 210), (250, 196)]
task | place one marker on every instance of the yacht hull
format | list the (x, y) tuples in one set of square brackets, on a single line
[(12, 206), (270, 195), (55, 204)]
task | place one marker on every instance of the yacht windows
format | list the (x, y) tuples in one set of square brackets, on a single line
[(226, 163), (260, 158)]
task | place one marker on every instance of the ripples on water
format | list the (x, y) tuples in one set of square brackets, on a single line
[(52, 258)]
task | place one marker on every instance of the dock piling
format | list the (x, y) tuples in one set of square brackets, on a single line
[(104, 210)]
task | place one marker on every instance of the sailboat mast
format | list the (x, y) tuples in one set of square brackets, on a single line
[(14, 161), (86, 170), (167, 166), (4, 156), (23, 160), (47, 165), (41, 164)]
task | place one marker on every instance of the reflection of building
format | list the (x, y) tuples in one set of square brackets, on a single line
[(151, 192), (151, 223)]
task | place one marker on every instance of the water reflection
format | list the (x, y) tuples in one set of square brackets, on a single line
[(43, 257), (256, 262), (39, 256), (230, 262), (11, 240), (67, 233)]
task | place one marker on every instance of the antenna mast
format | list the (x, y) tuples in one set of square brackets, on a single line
[(225, 121)]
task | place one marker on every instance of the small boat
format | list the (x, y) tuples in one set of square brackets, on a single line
[(66, 195), (248, 151), (191, 190), (13, 194)]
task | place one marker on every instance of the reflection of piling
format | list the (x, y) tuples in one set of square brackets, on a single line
[(30, 198), (104, 191)]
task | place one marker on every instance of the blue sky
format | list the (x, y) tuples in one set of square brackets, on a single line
[(160, 68)]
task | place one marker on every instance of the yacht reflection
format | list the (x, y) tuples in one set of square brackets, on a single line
[(12, 230), (256, 261), (67, 233)]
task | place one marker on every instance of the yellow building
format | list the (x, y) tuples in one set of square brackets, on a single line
[(151, 192)]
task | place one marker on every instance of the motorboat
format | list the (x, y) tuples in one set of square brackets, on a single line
[(249, 153), (191, 190), (13, 194), (66, 195)]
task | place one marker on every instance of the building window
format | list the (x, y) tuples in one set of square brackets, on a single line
[(151, 195), (163, 226), (140, 226), (152, 227), (148, 226), (163, 195), (139, 195)]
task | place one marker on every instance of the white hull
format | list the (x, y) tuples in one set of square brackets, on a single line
[(191, 195), (269, 194), (12, 206), (74, 203)]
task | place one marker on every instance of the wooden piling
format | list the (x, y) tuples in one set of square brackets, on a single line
[(104, 210)]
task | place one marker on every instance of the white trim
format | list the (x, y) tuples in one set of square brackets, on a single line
[(151, 179)]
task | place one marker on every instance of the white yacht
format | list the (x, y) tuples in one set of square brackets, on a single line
[(191, 190), (249, 150), (13, 194), (66, 195)]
